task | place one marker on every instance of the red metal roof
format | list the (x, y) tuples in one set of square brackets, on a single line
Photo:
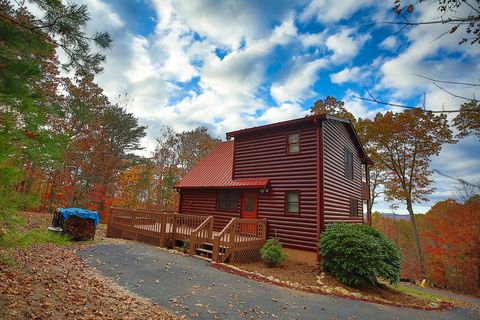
[(214, 171)]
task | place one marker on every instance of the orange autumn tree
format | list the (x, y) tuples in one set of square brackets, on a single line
[(404, 143), (330, 105), (452, 244)]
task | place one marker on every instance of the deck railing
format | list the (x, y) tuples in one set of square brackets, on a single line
[(151, 226), (202, 234), (240, 240)]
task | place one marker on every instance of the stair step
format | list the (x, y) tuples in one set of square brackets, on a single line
[(208, 244), (204, 250)]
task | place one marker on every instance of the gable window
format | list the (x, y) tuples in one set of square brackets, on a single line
[(292, 202), (294, 143), (353, 207), (227, 200), (348, 164)]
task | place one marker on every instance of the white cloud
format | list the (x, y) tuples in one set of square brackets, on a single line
[(284, 112), (297, 86), (389, 43), (227, 23), (312, 39), (103, 14), (240, 73), (345, 45), (346, 75), (332, 10)]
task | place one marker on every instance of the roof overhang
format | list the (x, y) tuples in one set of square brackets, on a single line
[(233, 184)]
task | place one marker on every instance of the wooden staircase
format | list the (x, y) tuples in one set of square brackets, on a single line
[(205, 251)]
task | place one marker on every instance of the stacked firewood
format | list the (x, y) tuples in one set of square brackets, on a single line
[(79, 228)]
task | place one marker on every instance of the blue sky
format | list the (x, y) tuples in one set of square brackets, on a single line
[(228, 65)]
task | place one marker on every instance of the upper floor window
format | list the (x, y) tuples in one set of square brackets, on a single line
[(227, 200), (353, 207), (294, 143), (292, 199), (348, 164)]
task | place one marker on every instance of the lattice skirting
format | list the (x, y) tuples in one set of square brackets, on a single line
[(148, 239), (245, 256)]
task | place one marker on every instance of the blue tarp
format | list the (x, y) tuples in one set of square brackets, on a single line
[(82, 213)]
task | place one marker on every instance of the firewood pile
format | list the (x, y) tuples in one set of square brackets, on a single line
[(79, 228), (79, 223)]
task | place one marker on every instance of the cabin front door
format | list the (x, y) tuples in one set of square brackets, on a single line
[(249, 211), (249, 205)]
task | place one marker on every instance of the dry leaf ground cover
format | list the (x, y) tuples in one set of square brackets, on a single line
[(48, 281)]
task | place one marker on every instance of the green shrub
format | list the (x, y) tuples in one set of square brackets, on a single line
[(358, 254), (186, 246), (272, 253)]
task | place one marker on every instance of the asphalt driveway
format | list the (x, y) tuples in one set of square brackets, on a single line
[(190, 286)]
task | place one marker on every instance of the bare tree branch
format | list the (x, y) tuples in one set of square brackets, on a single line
[(451, 82), (460, 180), (453, 94), (459, 21), (373, 99)]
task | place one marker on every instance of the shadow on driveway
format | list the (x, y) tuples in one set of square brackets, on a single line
[(190, 286)]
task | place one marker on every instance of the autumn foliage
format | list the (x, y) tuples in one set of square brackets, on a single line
[(450, 237)]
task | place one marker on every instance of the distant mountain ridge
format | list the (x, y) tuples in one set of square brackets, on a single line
[(397, 216)]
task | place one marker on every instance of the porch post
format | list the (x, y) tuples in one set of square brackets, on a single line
[(163, 229)]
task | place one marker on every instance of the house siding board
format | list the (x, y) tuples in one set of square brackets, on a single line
[(265, 155), (204, 202), (338, 188)]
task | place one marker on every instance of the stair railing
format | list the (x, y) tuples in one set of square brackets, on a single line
[(203, 233), (225, 240)]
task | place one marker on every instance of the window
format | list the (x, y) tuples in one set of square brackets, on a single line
[(353, 207), (292, 202), (293, 143), (348, 164), (227, 200)]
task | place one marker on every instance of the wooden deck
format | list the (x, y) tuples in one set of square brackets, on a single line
[(239, 241)]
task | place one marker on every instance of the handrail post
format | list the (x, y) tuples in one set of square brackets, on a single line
[(133, 224), (110, 219), (174, 228), (210, 230), (233, 232), (163, 229), (264, 229), (216, 248), (193, 242)]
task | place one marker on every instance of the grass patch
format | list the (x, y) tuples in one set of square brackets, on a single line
[(6, 259), (15, 238), (418, 293)]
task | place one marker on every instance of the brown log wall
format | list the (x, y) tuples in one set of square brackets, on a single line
[(264, 155), (204, 202), (338, 188)]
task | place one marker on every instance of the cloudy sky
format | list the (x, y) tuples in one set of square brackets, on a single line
[(228, 65)]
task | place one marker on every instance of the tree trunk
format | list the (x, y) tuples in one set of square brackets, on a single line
[(416, 237)]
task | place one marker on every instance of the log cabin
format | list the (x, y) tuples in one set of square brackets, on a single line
[(299, 175)]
